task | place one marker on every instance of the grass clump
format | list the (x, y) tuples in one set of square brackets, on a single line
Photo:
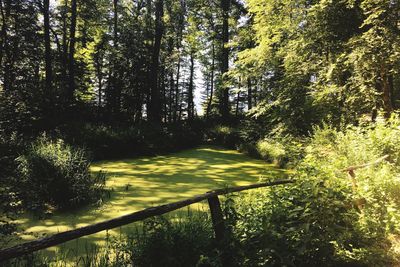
[(53, 174), (272, 151)]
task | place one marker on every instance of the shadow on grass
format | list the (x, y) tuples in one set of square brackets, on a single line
[(144, 182)]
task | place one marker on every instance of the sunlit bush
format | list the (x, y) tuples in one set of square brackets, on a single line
[(54, 174), (319, 219)]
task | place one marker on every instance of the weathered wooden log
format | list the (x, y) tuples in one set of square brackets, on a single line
[(359, 203), (353, 168), (32, 246)]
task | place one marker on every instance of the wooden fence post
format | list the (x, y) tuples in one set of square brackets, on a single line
[(217, 218), (219, 229)]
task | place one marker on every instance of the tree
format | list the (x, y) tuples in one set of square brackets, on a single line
[(47, 40), (71, 58), (154, 107), (224, 89)]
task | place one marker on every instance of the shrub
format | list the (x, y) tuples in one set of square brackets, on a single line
[(283, 151), (315, 221), (55, 174), (106, 142), (223, 135), (9, 198), (168, 243), (271, 150)]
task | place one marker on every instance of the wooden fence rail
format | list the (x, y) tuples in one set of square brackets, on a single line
[(212, 197)]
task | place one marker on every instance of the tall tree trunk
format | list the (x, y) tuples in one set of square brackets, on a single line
[(47, 41), (224, 94), (3, 36), (210, 99), (164, 95), (116, 95), (190, 91), (155, 101), (249, 94), (171, 100), (237, 104), (177, 93), (64, 57), (72, 41), (386, 91), (99, 73), (5, 52)]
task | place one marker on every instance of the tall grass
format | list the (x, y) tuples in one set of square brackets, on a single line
[(54, 174)]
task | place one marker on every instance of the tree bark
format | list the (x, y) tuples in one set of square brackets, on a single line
[(72, 41), (4, 48), (64, 57), (386, 91), (237, 104), (211, 82), (47, 41), (224, 94), (155, 101), (177, 89), (249, 94), (116, 95), (3, 36), (190, 92)]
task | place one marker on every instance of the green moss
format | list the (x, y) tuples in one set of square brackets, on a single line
[(144, 182)]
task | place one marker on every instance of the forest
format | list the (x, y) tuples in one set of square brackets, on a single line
[(110, 107)]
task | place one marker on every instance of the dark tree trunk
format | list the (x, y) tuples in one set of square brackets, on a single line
[(47, 41), (190, 91), (224, 94), (99, 73), (3, 36), (210, 99), (4, 48), (249, 94), (237, 103), (177, 93), (386, 91), (164, 94), (155, 101), (72, 41), (116, 94), (171, 99), (64, 57)]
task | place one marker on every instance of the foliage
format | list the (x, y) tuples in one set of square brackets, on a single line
[(166, 243), (271, 151), (9, 197), (52, 173), (321, 61), (319, 220), (161, 241), (224, 135), (105, 142)]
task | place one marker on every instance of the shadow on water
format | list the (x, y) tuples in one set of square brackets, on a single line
[(144, 182)]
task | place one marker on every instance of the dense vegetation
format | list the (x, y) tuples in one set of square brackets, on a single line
[(311, 85)]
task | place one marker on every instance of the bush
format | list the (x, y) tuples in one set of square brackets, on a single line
[(271, 150), (317, 220), (9, 198), (106, 142), (53, 174), (283, 151), (167, 243), (223, 135)]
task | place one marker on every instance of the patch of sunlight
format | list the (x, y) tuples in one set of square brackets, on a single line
[(140, 183)]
